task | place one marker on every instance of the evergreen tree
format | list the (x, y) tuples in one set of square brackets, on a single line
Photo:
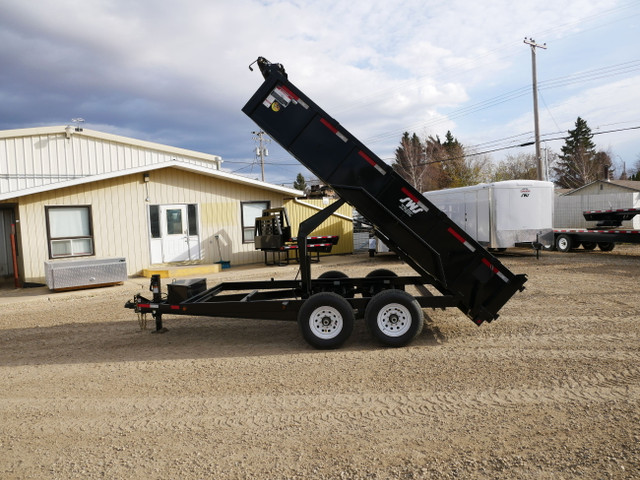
[(300, 183), (579, 162)]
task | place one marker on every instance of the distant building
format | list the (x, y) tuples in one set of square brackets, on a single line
[(597, 195), (605, 187)]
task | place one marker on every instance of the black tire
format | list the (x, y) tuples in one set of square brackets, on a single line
[(606, 246), (394, 318), (326, 320), (342, 290), (589, 245), (564, 243), (379, 287)]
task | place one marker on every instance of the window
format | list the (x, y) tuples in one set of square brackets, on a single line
[(69, 231), (174, 221), (250, 211), (192, 213), (154, 220)]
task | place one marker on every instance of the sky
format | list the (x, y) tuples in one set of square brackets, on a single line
[(177, 73)]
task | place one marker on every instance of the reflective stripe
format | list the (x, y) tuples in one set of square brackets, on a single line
[(333, 130), (461, 239), (495, 270), (414, 198), (372, 162)]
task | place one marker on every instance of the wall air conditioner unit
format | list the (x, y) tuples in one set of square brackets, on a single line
[(76, 274)]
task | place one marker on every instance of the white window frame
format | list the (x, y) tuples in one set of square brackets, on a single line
[(69, 232), (249, 220)]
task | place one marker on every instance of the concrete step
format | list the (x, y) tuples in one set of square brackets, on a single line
[(172, 271)]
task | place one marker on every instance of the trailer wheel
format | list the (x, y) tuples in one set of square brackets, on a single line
[(326, 320), (564, 243), (394, 317), (589, 245), (381, 272), (606, 246), (342, 290)]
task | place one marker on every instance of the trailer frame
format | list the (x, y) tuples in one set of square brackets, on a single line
[(605, 235)]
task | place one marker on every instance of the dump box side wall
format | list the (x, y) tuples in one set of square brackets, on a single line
[(434, 245)]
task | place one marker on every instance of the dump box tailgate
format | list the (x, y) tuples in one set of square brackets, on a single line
[(420, 233)]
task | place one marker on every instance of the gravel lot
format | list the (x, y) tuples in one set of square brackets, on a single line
[(550, 390)]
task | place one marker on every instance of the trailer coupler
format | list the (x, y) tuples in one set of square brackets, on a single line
[(142, 307)]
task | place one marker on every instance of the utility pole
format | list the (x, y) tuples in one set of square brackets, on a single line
[(261, 149), (531, 42)]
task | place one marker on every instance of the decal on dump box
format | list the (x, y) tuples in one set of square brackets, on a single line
[(411, 204), (281, 96)]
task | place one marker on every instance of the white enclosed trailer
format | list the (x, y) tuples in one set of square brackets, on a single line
[(501, 214)]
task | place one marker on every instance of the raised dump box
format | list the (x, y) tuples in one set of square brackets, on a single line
[(460, 271), (420, 233)]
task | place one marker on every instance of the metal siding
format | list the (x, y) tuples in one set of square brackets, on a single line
[(334, 225), (568, 210), (37, 160)]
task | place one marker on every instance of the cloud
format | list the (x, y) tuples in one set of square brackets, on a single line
[(177, 72)]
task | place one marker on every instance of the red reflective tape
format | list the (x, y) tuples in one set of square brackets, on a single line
[(488, 264), (333, 129), (409, 194), (369, 160), (461, 239), (328, 125), (175, 307), (144, 305), (456, 235), (289, 92), (495, 270)]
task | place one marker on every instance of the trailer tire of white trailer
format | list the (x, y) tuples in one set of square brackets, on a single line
[(564, 243), (394, 317), (589, 245), (326, 320), (606, 246)]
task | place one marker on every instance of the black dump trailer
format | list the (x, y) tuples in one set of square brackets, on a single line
[(453, 270)]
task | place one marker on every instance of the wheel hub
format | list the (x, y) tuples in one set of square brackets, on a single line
[(394, 320), (326, 322)]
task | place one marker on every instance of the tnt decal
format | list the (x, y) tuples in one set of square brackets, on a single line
[(410, 207)]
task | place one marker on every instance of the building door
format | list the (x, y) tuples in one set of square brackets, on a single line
[(180, 242), (6, 256)]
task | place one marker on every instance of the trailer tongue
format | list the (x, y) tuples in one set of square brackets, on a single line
[(444, 256)]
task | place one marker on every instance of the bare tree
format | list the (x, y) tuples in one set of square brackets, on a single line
[(515, 167)]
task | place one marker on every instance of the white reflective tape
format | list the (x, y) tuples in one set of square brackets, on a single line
[(341, 136)]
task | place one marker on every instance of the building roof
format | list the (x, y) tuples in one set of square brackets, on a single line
[(630, 185), (34, 160)]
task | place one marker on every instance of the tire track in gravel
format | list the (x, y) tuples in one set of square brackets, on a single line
[(259, 412)]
